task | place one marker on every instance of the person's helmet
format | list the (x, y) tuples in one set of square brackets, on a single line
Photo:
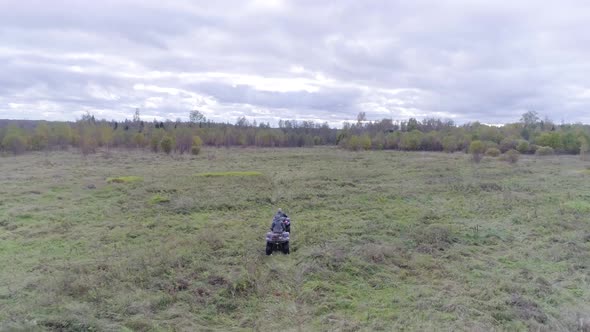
[(280, 210)]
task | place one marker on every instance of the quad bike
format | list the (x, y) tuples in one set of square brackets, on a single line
[(278, 241)]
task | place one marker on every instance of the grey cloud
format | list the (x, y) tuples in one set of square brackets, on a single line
[(469, 60), (333, 100)]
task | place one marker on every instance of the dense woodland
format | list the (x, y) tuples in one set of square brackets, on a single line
[(530, 135)]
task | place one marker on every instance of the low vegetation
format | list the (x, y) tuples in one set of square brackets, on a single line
[(382, 240)]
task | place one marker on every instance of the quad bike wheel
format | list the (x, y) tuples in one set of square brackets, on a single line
[(268, 248), (286, 248)]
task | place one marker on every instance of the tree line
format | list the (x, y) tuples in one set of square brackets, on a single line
[(89, 134)]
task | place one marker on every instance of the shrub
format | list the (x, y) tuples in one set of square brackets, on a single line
[(492, 152), (544, 151), (476, 149), (155, 144), (511, 156), (14, 143), (450, 144), (476, 146), (584, 147), (523, 146), (490, 144), (365, 142), (378, 142), (552, 139), (15, 140), (197, 144), (391, 140), (410, 141), (533, 148), (357, 143), (184, 140), (138, 140), (507, 144), (430, 142), (166, 144), (87, 140)]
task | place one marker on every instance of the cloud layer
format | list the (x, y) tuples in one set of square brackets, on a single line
[(309, 60)]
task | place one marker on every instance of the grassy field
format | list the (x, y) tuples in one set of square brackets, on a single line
[(131, 241)]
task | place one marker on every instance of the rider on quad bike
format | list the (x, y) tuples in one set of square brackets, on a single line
[(281, 218), (278, 237)]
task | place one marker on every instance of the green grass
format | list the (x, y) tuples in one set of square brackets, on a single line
[(381, 241), (158, 199), (579, 206), (216, 174)]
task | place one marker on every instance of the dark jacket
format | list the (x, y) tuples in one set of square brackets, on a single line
[(277, 225)]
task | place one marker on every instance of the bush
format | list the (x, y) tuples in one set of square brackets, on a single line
[(14, 143), (410, 141), (523, 146), (378, 142), (356, 143), (476, 149), (365, 142), (584, 147), (15, 140), (511, 156), (391, 140), (492, 152), (87, 141), (166, 144), (183, 140), (552, 139), (353, 143), (476, 146), (507, 144), (155, 144), (490, 144), (197, 144), (138, 140), (533, 148), (544, 151), (450, 144)]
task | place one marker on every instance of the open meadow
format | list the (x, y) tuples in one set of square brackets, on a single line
[(381, 240)]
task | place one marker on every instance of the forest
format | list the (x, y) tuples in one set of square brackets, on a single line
[(530, 135)]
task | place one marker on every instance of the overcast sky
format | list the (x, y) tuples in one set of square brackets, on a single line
[(465, 60)]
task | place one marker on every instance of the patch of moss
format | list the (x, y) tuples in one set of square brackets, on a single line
[(158, 199), (578, 206), (125, 179), (217, 174)]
